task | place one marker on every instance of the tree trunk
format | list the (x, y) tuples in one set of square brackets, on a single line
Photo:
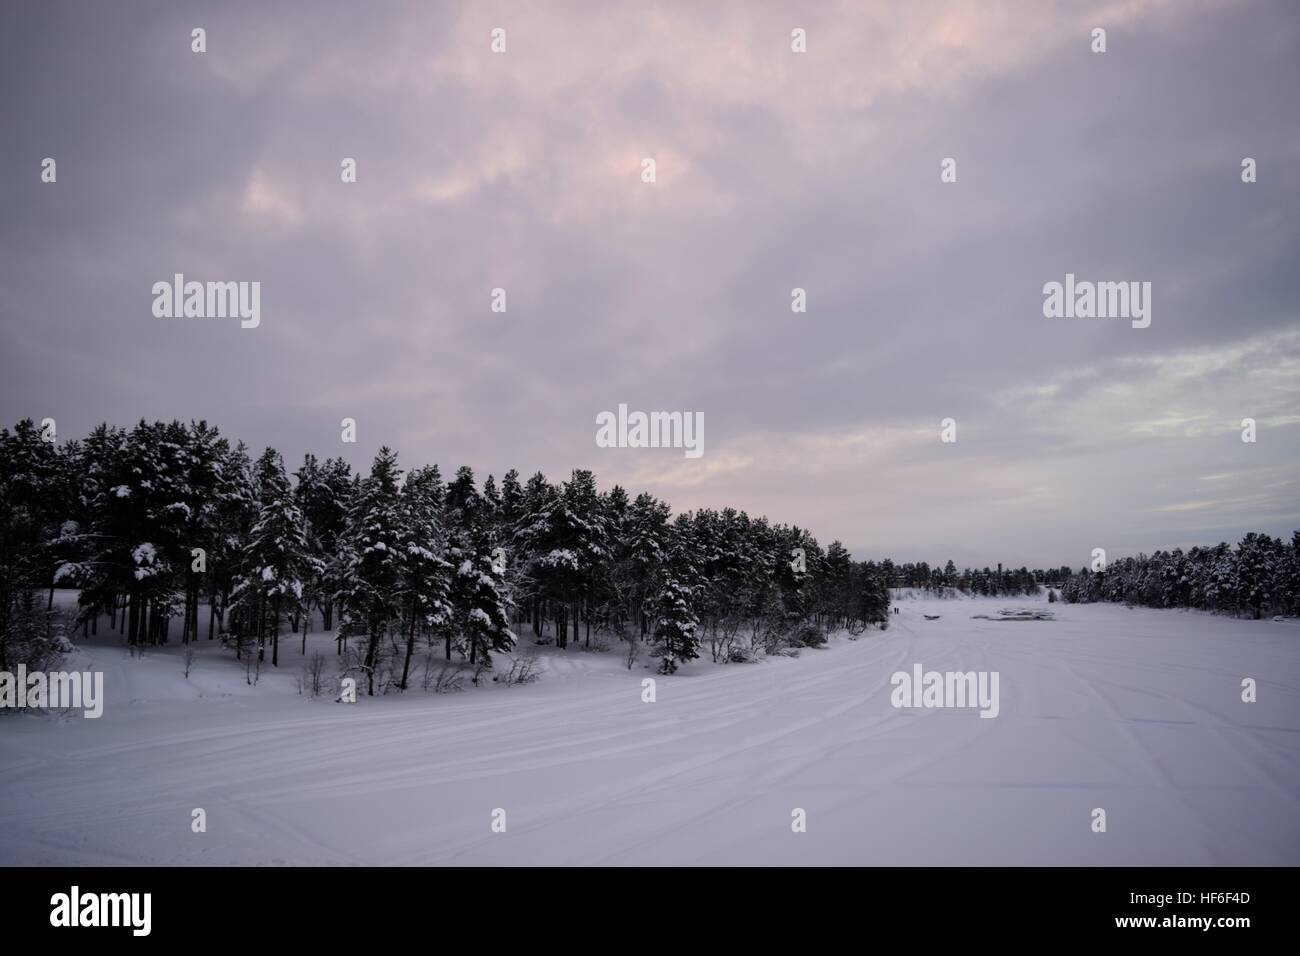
[(275, 632), (370, 659), (410, 646), (194, 628)]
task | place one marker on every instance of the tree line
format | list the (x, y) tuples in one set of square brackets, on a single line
[(1261, 576), (169, 530)]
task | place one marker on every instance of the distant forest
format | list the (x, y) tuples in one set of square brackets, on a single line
[(156, 524)]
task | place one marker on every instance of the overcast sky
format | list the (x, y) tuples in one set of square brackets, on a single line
[(775, 170)]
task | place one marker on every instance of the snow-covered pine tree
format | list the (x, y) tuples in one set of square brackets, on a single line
[(204, 452), (27, 465), (1289, 571), (676, 626), (834, 596), (137, 527), (370, 594), (491, 499), (549, 539), (1221, 581), (526, 537), (99, 577), (235, 512), (479, 611), (276, 560), (339, 488), (308, 492), (152, 468), (590, 543), (425, 572), (875, 595), (324, 494), (647, 529), (1257, 561), (512, 500)]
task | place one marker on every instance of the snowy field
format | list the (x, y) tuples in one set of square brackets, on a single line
[(1135, 711)]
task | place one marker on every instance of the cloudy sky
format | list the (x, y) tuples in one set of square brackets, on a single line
[(775, 170)]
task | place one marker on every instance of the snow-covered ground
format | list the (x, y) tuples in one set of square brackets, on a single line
[(1138, 712)]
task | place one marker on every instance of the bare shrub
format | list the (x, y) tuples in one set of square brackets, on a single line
[(253, 664), (633, 650), (723, 633), (739, 654), (773, 636), (354, 665), (313, 674), (808, 635), (524, 669), (440, 676), (450, 680)]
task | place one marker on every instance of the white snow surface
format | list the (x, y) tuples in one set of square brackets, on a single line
[(1136, 711)]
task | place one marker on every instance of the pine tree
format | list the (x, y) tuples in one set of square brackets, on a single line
[(512, 500), (235, 512), (137, 533), (676, 625), (324, 494), (205, 455), (590, 543), (370, 594), (27, 466), (478, 604), (425, 573), (551, 539), (276, 560), (648, 529), (833, 597), (1257, 560), (875, 594)]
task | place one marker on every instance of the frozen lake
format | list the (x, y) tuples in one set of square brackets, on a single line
[(1138, 712)]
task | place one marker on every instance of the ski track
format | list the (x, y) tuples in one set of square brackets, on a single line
[(1136, 711)]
